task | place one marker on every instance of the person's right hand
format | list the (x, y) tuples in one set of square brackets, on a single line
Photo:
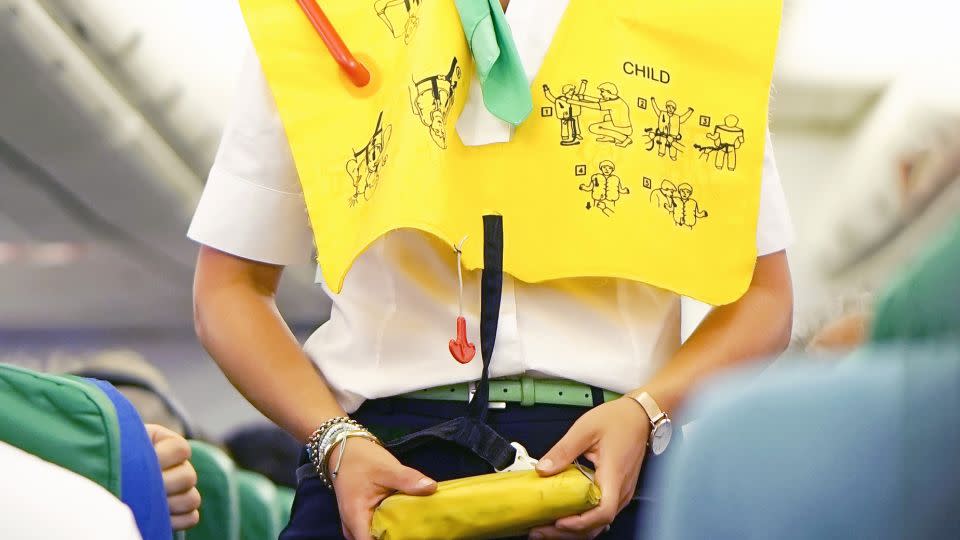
[(179, 476), (368, 474)]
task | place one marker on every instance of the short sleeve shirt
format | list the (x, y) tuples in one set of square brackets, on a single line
[(389, 327)]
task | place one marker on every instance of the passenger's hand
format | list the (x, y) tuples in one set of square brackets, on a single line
[(179, 477), (614, 437), (369, 474)]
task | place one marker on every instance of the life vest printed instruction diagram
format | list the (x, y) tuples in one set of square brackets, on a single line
[(606, 189), (613, 126), (668, 134), (725, 140), (432, 99), (401, 17), (367, 163), (677, 202)]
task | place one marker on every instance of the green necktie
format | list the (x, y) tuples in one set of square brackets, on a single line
[(506, 91)]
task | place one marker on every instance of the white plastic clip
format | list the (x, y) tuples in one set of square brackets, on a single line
[(523, 461)]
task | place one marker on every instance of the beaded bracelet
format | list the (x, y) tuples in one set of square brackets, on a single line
[(328, 443), (325, 439), (314, 443)]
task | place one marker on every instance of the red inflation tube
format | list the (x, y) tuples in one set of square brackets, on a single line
[(356, 72)]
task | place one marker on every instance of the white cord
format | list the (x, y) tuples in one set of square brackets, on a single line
[(459, 250)]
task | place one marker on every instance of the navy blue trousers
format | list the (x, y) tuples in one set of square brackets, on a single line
[(538, 428)]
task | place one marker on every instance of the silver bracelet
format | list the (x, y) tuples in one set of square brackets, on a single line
[(342, 441), (331, 433), (314, 443), (327, 444)]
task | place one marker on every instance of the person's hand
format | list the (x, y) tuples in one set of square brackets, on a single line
[(614, 437), (179, 477), (369, 474)]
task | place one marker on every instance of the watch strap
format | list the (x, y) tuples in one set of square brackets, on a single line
[(654, 412)]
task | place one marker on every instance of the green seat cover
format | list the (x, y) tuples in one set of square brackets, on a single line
[(216, 481), (924, 301), (63, 421), (284, 502), (259, 517)]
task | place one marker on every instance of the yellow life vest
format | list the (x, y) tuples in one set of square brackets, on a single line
[(642, 159)]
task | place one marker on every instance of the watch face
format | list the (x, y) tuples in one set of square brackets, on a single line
[(661, 435)]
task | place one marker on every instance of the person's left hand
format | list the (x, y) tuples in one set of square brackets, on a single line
[(179, 476), (614, 437)]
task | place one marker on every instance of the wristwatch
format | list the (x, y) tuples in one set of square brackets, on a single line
[(661, 428)]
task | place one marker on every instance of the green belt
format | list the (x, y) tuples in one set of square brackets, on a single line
[(526, 391)]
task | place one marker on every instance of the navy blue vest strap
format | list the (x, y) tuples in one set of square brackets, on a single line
[(491, 287), (307, 470), (597, 396), (468, 432), (472, 431)]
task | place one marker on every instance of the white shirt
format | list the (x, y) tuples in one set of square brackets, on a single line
[(389, 327), (42, 500)]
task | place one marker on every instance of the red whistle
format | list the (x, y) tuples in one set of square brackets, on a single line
[(355, 71), (461, 349)]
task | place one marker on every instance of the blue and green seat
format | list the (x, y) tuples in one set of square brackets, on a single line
[(923, 302), (259, 515), (284, 502), (88, 427), (217, 483), (62, 420)]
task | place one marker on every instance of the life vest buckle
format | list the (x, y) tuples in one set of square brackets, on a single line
[(523, 461)]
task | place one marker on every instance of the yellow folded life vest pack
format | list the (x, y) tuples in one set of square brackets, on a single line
[(642, 159), (497, 505)]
